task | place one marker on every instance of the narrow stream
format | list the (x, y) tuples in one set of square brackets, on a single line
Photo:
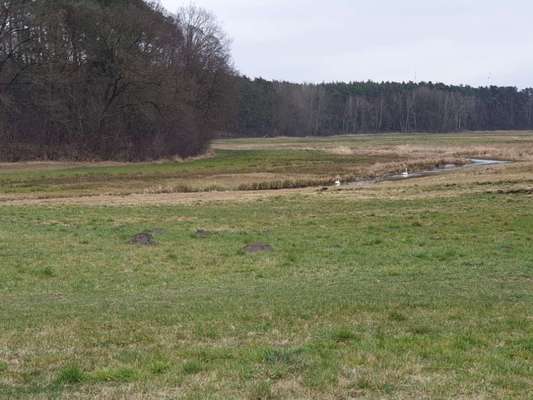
[(473, 162)]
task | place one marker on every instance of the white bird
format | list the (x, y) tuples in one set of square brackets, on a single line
[(405, 174), (338, 182)]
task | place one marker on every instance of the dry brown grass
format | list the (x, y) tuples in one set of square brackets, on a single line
[(244, 166), (516, 146), (471, 180)]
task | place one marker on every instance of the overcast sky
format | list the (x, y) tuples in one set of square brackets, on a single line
[(453, 41)]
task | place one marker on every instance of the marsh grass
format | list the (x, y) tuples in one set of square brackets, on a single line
[(287, 184), (266, 164), (192, 367), (70, 375), (159, 367), (262, 391), (343, 335)]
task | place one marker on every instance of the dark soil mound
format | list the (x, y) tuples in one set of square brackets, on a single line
[(258, 248), (143, 239), (202, 233)]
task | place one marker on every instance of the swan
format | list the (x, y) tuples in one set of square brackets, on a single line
[(405, 174)]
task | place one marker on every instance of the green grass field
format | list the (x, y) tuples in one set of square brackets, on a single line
[(407, 290)]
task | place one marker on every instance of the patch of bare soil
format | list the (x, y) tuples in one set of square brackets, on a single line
[(202, 233), (143, 239), (258, 248)]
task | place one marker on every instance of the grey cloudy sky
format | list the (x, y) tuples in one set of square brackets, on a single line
[(451, 41)]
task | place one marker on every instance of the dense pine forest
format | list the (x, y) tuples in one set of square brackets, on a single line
[(281, 108), (126, 80)]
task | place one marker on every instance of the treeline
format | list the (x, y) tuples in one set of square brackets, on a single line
[(280, 108), (110, 79), (126, 80)]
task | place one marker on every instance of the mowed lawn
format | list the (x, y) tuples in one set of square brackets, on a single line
[(421, 298)]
